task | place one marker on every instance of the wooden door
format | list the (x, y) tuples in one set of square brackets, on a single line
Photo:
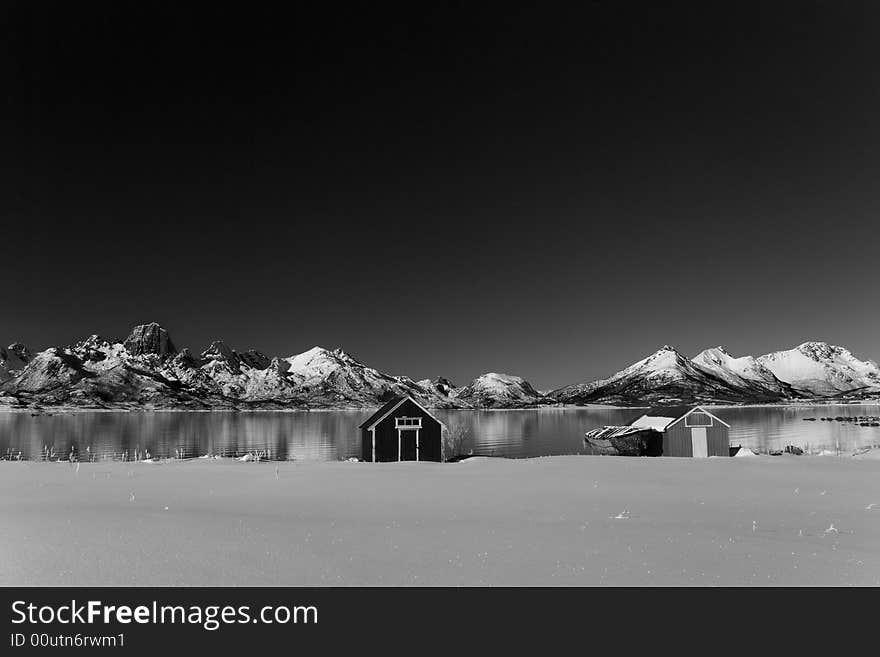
[(407, 445), (699, 443)]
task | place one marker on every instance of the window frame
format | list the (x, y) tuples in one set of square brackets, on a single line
[(409, 422), (687, 420)]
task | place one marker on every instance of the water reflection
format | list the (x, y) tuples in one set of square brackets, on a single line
[(329, 436)]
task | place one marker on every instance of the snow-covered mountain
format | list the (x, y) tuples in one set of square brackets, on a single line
[(147, 370), (325, 376), (443, 387), (823, 370), (493, 390), (664, 376), (743, 373), (814, 370)]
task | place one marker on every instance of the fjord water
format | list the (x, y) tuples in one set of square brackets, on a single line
[(334, 435)]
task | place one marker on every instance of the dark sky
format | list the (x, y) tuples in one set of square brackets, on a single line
[(547, 194)]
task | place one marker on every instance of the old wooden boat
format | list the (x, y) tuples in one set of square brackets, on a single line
[(623, 441)]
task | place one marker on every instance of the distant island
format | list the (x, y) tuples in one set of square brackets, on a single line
[(146, 371)]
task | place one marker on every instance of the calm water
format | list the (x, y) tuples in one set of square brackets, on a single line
[(328, 436)]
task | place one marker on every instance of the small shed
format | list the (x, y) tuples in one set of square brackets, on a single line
[(402, 430), (687, 430)]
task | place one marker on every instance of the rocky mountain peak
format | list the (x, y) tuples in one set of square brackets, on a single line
[(440, 385), (149, 339), (222, 352), (818, 350), (219, 350), (713, 355), (498, 390), (315, 352), (91, 343), (666, 357), (186, 359), (20, 350), (13, 358), (321, 360)]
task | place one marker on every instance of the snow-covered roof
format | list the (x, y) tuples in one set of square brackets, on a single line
[(657, 423)]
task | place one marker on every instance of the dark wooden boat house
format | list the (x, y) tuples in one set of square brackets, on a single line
[(665, 431), (402, 430)]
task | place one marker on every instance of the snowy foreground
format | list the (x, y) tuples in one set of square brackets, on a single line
[(570, 520)]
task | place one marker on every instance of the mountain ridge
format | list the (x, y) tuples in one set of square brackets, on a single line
[(812, 371), (147, 370)]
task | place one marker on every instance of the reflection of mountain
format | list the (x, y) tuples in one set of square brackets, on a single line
[(498, 433), (324, 436), (333, 435)]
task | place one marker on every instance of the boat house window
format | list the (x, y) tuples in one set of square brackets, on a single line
[(407, 423), (698, 420)]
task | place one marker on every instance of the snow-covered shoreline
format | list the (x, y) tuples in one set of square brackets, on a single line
[(574, 520)]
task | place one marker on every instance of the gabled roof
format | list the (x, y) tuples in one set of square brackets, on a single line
[(385, 408), (661, 418), (388, 408)]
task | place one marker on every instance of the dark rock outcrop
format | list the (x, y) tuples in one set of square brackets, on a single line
[(256, 359), (18, 351), (185, 359), (443, 385), (149, 339), (222, 353), (12, 359), (279, 365)]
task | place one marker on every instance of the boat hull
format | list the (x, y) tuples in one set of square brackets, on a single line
[(632, 443)]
